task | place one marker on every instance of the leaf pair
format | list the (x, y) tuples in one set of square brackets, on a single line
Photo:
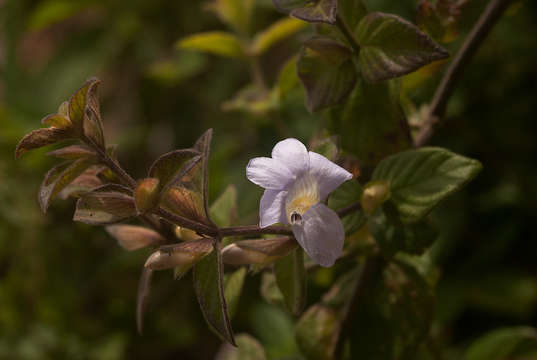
[(389, 47)]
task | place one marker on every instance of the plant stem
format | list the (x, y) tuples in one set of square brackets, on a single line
[(373, 265), (478, 34), (344, 28), (250, 230)]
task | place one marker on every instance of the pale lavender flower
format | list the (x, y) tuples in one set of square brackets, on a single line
[(296, 183)]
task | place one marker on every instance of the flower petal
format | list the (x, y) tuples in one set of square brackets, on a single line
[(329, 175), (321, 234), (272, 208), (293, 154), (268, 173)]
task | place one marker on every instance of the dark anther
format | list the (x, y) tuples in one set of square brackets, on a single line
[(295, 217)]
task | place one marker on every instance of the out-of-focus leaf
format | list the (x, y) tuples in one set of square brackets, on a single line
[(341, 291), (348, 193), (53, 11), (351, 11), (208, 284), (270, 291), (58, 178), (413, 238), (213, 42), (171, 167), (253, 100), (326, 71), (144, 285), (223, 211), (146, 194), (439, 19), (372, 123), (42, 137), (310, 11), (258, 251), (287, 78), (180, 256), (420, 179), (291, 279), (236, 13), (232, 290), (395, 315), (275, 33), (105, 205), (132, 237), (73, 152), (504, 343), (183, 65), (84, 97), (316, 332), (391, 46), (326, 146), (248, 348)]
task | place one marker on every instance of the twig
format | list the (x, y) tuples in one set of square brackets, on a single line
[(478, 34), (373, 265), (344, 28)]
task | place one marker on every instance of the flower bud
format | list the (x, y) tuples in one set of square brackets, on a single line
[(146, 195), (258, 251), (374, 195), (181, 256)]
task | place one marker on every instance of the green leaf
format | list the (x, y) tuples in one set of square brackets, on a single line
[(105, 205), (132, 237), (236, 13), (287, 78), (351, 12), (223, 211), (213, 42), (310, 11), (57, 120), (58, 178), (348, 193), (412, 238), (248, 348), (391, 47), (504, 343), (395, 315), (208, 285), (253, 100), (372, 123), (171, 167), (275, 33), (51, 12), (340, 293), (420, 179), (316, 332), (270, 291), (326, 146), (73, 152), (203, 145), (42, 137), (84, 97), (326, 71), (291, 279), (232, 290)]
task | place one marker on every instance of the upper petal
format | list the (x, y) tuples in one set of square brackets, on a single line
[(272, 208), (293, 154), (268, 173), (329, 175), (321, 234)]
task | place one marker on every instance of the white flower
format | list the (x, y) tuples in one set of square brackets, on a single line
[(297, 182)]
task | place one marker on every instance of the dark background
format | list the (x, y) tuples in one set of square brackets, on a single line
[(67, 291)]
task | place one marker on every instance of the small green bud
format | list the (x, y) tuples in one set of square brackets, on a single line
[(146, 195), (375, 194)]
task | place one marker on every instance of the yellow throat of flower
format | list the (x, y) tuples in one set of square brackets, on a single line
[(303, 194)]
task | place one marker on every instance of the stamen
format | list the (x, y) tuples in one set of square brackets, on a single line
[(295, 218)]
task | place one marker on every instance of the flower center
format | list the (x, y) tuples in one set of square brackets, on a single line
[(303, 194)]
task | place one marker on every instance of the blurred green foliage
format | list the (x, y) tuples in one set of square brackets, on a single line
[(67, 291)]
